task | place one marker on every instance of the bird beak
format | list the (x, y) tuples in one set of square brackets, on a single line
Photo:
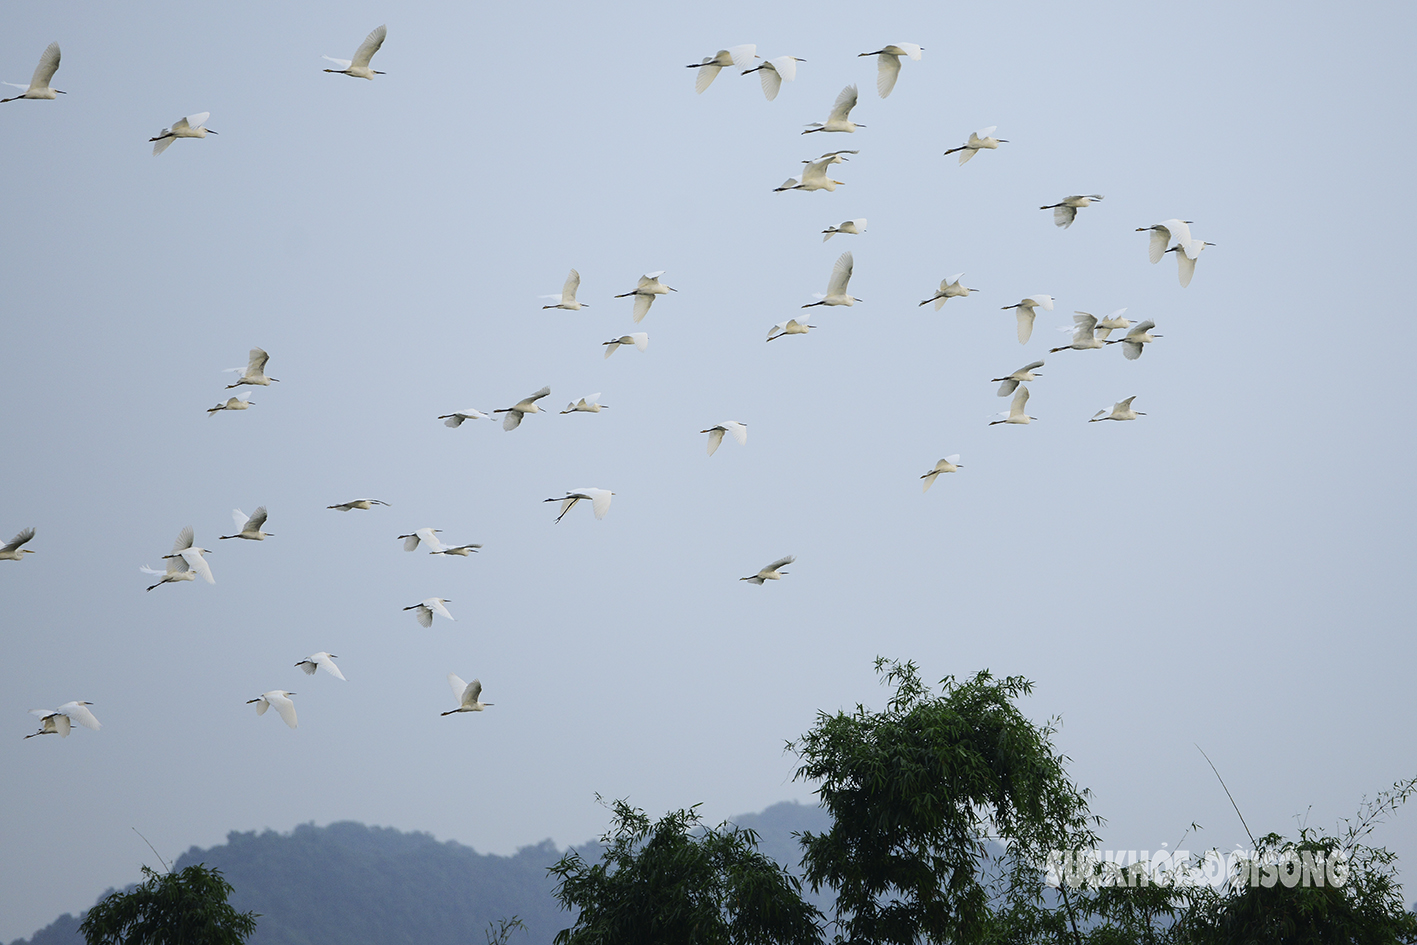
[(210, 132)]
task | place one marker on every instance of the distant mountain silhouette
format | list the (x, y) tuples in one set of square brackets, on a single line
[(349, 884)]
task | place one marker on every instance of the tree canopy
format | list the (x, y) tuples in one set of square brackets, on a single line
[(186, 907)]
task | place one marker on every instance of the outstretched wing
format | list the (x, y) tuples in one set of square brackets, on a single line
[(48, 65), (370, 46), (642, 304), (1025, 323), (841, 274), (568, 291), (715, 439), (19, 540), (184, 540), (887, 71), (845, 102), (600, 501)]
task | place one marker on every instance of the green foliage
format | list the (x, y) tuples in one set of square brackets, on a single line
[(916, 790), (677, 881), (188, 907)]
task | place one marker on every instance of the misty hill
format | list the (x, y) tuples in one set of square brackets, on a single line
[(350, 884)]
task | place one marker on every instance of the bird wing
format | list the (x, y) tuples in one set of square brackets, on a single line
[(60, 722), (194, 121), (649, 278), (739, 431), (48, 65), (777, 329), (642, 304), (983, 133), (80, 713), (430, 539), (640, 339), (770, 79), (1083, 326), (841, 274), (1185, 268), (1131, 350), (815, 170), (911, 50), (262, 704), (599, 501), (471, 692), (307, 666), (786, 67), (342, 63), (436, 606), (930, 477), (257, 362), (258, 518), (455, 682), (19, 540), (162, 145), (1029, 367), (512, 420), (1160, 240), (952, 459), (184, 540), (1142, 328), (1025, 323), (240, 518), (367, 49), (715, 438), (282, 704), (1007, 387), (328, 665), (887, 71), (708, 71), (196, 562), (1020, 400), (1125, 405), (1064, 216), (1178, 230), (845, 102), (525, 402), (781, 563), (568, 291), (1044, 300), (743, 55)]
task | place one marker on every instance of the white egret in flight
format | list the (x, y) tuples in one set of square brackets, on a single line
[(1016, 414), (739, 431), (567, 298), (1132, 342), (358, 67), (249, 527), (740, 56), (190, 553), (1187, 252), (254, 372), (814, 175), (1163, 234), (56, 721), (356, 504), (1025, 312), (277, 699), (599, 500), (239, 402), (888, 64), (321, 660), (790, 327), (1065, 212), (1084, 334), (839, 119), (12, 550), (193, 126), (43, 74), (1121, 410), (467, 695), (521, 408), (588, 404), (1022, 375), (947, 465), (1113, 322), (426, 608), (640, 339), (836, 285), (772, 572), (644, 292), (850, 226), (456, 418), (978, 140), (462, 551), (427, 536), (949, 289), (773, 72)]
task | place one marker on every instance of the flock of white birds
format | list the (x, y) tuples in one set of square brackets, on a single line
[(186, 562)]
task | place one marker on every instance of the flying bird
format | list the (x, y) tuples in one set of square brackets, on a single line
[(1132, 342), (249, 527), (1065, 212), (814, 175), (188, 552), (640, 339), (947, 465), (356, 504), (836, 285), (467, 695), (240, 402), (1163, 234), (978, 140), (771, 572), (321, 660), (1025, 312), (567, 298), (850, 226), (193, 126), (1113, 322), (12, 550), (1121, 410), (790, 327), (277, 699), (255, 371), (456, 418), (56, 721), (709, 67), (888, 64), (521, 408), (588, 404), (1016, 414), (949, 289), (358, 67), (427, 536), (739, 431), (1187, 252), (773, 72), (644, 292), (425, 609), (839, 119), (599, 500), (43, 74), (1012, 381), (462, 551), (1084, 334)]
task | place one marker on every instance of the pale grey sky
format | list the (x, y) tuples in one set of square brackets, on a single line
[(1231, 570)]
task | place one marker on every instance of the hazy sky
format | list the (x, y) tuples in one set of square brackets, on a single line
[(1232, 570)]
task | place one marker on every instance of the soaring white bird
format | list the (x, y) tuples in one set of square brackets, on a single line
[(949, 289), (774, 72), (427, 536), (249, 526), (521, 408), (426, 608), (1016, 414), (644, 292), (814, 175), (255, 371), (277, 699), (740, 56), (1187, 252), (836, 285), (12, 550), (978, 140), (790, 327), (1025, 312), (599, 500), (567, 298), (1065, 212), (183, 549), (715, 434), (356, 504), (177, 570), (947, 465), (321, 660), (772, 572), (1113, 322), (839, 119), (1163, 234), (240, 402), (193, 126), (1121, 410), (358, 67), (456, 418), (1084, 334), (888, 64), (1132, 342), (640, 339), (56, 721), (467, 695), (856, 226), (587, 404), (462, 551), (43, 74), (1011, 381)]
